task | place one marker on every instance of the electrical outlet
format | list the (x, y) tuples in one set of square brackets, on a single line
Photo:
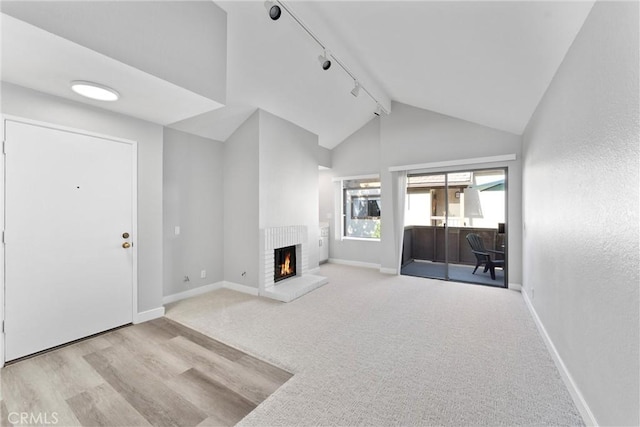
[(203, 274), (176, 230)]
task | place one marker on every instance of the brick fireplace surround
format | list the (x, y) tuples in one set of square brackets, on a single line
[(293, 287)]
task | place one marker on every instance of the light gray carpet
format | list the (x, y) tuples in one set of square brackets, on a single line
[(374, 349)]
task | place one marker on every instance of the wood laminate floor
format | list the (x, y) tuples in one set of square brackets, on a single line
[(155, 373)]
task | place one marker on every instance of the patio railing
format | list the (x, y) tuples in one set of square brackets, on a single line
[(427, 243)]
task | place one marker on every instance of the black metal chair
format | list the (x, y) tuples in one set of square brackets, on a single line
[(483, 256)]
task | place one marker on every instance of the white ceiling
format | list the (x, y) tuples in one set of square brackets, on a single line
[(34, 58), (486, 62)]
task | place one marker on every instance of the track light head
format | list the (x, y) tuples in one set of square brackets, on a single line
[(324, 60), (275, 12), (378, 111), (356, 89)]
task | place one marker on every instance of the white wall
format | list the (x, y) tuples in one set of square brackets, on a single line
[(22, 102), (158, 37), (241, 204), (411, 135), (581, 160), (288, 178), (193, 197)]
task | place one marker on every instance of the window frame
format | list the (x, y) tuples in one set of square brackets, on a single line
[(341, 213)]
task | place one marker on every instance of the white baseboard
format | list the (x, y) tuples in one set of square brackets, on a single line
[(515, 287), (388, 271), (354, 263), (574, 391), (192, 292), (145, 316), (240, 288)]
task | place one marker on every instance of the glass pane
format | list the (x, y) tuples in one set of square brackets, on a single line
[(424, 235), (441, 211), (361, 210), (477, 209)]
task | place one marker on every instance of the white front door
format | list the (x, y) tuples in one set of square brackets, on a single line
[(69, 200)]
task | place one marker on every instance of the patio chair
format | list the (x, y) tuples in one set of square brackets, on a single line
[(483, 256)]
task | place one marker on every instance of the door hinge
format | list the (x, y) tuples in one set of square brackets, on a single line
[(3, 237), (3, 326), (4, 143)]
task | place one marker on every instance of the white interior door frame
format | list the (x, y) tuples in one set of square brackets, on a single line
[(134, 206)]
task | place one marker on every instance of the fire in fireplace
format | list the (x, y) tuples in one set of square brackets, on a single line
[(285, 263)]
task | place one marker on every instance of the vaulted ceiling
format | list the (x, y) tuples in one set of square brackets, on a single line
[(484, 61), (487, 62)]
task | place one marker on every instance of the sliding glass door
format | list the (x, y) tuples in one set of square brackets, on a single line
[(455, 226)]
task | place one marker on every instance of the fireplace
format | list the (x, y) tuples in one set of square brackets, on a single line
[(284, 263)]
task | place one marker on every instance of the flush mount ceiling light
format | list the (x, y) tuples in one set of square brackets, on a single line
[(274, 10), (356, 89), (94, 90), (324, 60)]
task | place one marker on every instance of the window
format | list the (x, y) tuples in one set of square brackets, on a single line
[(361, 208)]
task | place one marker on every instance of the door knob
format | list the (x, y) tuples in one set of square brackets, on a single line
[(125, 235), (126, 245)]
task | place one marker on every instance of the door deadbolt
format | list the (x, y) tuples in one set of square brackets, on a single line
[(126, 245), (125, 235)]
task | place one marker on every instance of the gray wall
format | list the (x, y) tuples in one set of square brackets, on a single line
[(324, 156), (289, 178), (359, 154), (325, 189), (26, 103), (241, 204), (158, 37), (411, 135), (193, 197), (581, 160)]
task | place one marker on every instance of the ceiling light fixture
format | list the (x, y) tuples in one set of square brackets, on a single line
[(274, 10), (379, 110), (356, 89), (327, 58), (94, 90), (324, 60)]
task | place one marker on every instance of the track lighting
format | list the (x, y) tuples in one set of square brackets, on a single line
[(277, 7), (356, 89), (274, 10), (324, 60)]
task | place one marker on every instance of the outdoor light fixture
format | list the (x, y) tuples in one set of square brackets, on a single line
[(356, 89), (274, 10), (94, 91), (324, 60)]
